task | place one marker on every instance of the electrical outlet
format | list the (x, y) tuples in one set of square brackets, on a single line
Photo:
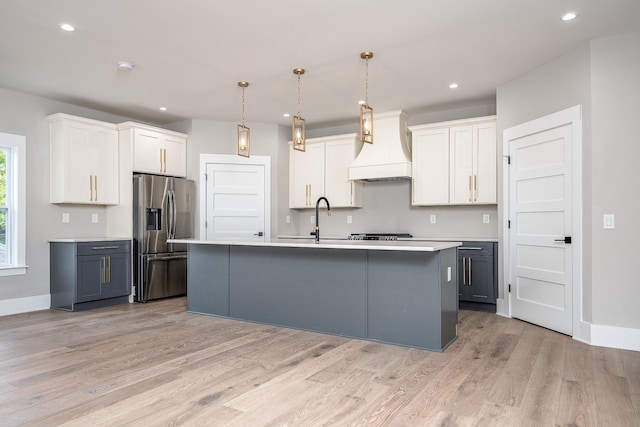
[(287, 219), (312, 219), (65, 217), (94, 218), (432, 219), (608, 221), (486, 218), (349, 219)]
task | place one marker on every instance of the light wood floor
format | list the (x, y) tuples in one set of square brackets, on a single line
[(155, 364)]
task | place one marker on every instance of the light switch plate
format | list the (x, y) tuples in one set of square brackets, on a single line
[(486, 218), (94, 218), (65, 217), (287, 219), (432, 219), (608, 221), (312, 219), (349, 219)]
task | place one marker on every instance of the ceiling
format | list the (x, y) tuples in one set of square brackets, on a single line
[(188, 55)]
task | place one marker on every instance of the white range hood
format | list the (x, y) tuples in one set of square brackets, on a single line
[(389, 157)]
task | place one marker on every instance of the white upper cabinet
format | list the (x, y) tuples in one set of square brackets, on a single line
[(84, 161), (155, 150), (454, 162), (322, 170), (306, 176)]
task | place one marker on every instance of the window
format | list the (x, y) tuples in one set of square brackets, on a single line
[(12, 204)]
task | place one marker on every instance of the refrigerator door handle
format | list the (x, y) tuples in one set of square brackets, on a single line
[(175, 214), (170, 213)]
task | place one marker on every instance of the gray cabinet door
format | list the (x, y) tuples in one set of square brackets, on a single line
[(90, 277), (118, 273)]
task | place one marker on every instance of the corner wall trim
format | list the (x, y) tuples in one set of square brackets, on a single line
[(25, 304)]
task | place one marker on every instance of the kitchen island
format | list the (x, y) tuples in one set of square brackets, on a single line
[(394, 292)]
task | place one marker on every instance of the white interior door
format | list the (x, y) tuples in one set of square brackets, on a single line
[(236, 207), (540, 211)]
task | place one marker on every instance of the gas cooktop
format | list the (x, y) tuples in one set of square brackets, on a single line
[(378, 236)]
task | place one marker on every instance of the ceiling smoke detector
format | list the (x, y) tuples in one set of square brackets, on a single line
[(124, 65)]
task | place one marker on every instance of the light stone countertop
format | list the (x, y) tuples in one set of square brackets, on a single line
[(376, 245), (88, 239)]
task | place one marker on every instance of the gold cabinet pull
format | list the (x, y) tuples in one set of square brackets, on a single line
[(102, 270), (469, 271), (470, 189), (161, 160), (91, 188), (109, 269), (164, 161), (95, 186)]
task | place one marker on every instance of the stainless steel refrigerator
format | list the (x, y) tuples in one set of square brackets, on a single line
[(163, 209)]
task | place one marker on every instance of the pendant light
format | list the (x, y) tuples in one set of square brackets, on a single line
[(366, 112), (297, 122), (244, 136)]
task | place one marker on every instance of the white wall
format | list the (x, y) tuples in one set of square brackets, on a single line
[(604, 77), (615, 183)]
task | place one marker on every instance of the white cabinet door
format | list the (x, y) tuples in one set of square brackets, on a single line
[(430, 167), (462, 171), (485, 188), (147, 152), (340, 191), (175, 155), (106, 167), (84, 161), (306, 175)]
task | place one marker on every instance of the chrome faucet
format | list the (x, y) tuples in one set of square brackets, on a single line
[(316, 230)]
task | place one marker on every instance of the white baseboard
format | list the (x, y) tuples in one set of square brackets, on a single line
[(25, 304), (615, 337)]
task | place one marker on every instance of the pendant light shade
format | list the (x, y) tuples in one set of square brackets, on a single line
[(366, 112), (244, 133), (297, 122)]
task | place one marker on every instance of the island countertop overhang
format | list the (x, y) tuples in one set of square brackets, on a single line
[(380, 245)]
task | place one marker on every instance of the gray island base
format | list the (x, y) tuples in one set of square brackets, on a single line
[(404, 294)]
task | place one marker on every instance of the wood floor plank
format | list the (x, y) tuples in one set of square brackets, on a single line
[(157, 365)]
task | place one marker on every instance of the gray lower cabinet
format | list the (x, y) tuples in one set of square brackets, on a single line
[(87, 275), (477, 275)]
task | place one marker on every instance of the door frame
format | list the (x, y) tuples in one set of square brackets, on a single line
[(230, 159), (573, 117)]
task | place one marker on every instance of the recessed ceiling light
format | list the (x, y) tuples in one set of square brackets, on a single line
[(286, 115), (569, 16), (453, 85), (67, 27), (125, 65), (163, 108)]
